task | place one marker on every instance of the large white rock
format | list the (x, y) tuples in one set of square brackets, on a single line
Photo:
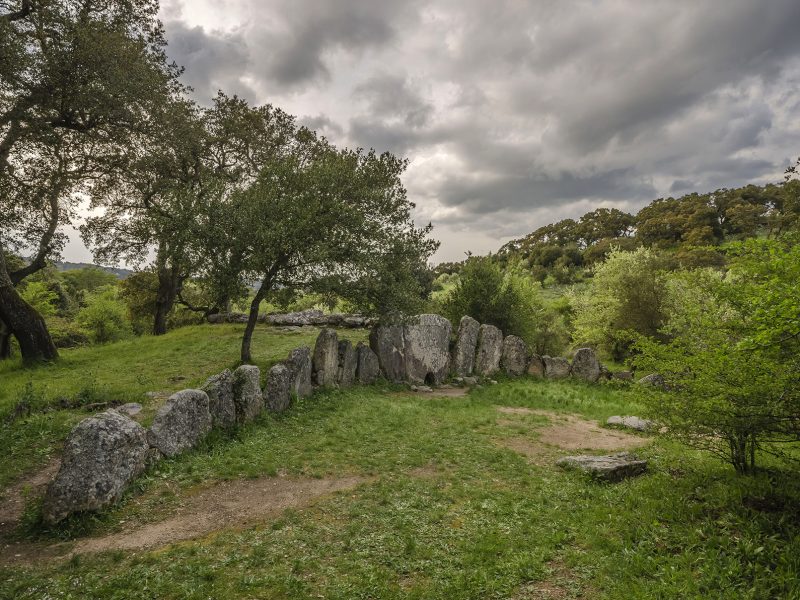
[(101, 457)]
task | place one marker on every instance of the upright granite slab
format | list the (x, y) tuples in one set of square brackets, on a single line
[(463, 358), (348, 364), (299, 363), (489, 351), (247, 398), (612, 467), (182, 422), (102, 456), (515, 357), (427, 349), (278, 390), (585, 365), (368, 369), (387, 341), (536, 366), (219, 389), (326, 358), (556, 367)]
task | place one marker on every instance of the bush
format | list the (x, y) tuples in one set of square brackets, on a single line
[(622, 300), (66, 333), (510, 300), (731, 361), (105, 317)]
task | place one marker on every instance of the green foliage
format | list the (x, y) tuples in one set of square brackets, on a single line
[(509, 299), (624, 298), (731, 360), (87, 279), (40, 297), (104, 316)]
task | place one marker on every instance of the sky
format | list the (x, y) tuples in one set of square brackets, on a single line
[(516, 114)]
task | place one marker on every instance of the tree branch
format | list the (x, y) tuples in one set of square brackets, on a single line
[(24, 11)]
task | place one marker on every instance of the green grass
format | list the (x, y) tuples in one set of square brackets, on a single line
[(119, 373), (484, 523)]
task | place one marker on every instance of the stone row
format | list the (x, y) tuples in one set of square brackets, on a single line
[(311, 317), (418, 352), (106, 452)]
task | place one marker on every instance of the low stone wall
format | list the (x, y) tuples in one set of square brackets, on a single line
[(104, 453), (311, 317)]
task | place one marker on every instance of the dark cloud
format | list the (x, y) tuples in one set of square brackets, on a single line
[(516, 113)]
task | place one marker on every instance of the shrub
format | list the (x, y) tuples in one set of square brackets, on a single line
[(622, 300), (105, 317), (510, 300), (731, 363)]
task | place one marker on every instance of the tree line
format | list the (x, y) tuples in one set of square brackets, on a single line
[(231, 197)]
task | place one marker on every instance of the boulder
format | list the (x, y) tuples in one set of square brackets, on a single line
[(536, 366), (585, 365), (247, 397), (427, 349), (368, 369), (622, 375), (297, 319), (490, 349), (613, 467), (348, 363), (388, 344), (220, 399), (182, 422), (556, 367), (515, 357), (463, 360), (655, 380), (326, 358), (631, 423), (101, 457), (470, 381), (278, 391), (299, 363)]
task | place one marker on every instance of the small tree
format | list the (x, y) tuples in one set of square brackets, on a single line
[(323, 220), (731, 365), (623, 299)]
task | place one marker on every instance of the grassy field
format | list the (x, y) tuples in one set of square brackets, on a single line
[(446, 507)]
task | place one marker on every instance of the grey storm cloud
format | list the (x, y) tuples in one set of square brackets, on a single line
[(514, 114)]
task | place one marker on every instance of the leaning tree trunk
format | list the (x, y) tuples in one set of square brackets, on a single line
[(252, 319), (24, 321), (5, 341), (168, 288)]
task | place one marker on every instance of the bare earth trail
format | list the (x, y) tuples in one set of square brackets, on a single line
[(226, 505), (240, 503)]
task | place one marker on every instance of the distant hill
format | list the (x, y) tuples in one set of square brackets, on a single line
[(71, 266)]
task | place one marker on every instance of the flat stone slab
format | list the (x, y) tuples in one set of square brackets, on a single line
[(612, 467), (636, 423)]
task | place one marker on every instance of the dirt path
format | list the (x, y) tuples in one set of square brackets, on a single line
[(230, 504), (564, 432), (14, 497)]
